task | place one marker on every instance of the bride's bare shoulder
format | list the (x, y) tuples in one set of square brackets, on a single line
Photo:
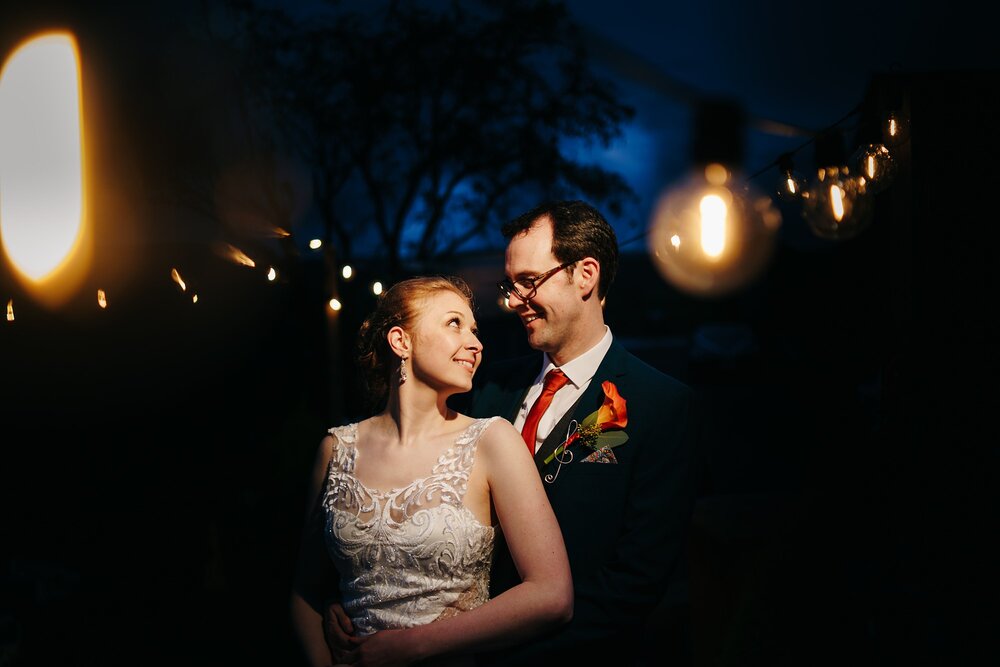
[(500, 435)]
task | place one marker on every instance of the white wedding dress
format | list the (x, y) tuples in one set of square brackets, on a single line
[(411, 555)]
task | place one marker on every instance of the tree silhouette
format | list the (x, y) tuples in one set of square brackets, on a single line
[(423, 128)]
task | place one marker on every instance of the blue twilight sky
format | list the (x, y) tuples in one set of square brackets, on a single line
[(803, 64)]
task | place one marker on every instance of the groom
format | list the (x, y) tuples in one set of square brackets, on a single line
[(624, 510)]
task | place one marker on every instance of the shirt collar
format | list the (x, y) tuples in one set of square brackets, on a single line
[(583, 368)]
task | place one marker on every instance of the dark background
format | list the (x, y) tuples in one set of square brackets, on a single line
[(155, 454)]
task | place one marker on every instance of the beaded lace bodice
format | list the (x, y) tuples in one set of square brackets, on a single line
[(413, 554)]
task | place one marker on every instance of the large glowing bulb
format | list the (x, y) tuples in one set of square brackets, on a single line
[(41, 156), (838, 205), (708, 236)]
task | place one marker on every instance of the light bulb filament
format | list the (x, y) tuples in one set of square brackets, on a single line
[(713, 225), (176, 277), (870, 166), (837, 202)]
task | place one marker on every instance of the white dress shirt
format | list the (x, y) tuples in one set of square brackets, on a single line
[(580, 372)]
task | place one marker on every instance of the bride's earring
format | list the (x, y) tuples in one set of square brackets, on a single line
[(402, 370)]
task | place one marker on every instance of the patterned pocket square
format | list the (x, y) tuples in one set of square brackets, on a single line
[(602, 455)]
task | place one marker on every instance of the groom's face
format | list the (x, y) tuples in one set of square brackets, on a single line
[(549, 316)]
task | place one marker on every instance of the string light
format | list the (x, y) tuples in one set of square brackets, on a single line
[(896, 128), (791, 184), (235, 255), (710, 234), (45, 231), (875, 164), (837, 204)]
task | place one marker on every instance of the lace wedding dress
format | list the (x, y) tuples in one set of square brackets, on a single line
[(410, 555)]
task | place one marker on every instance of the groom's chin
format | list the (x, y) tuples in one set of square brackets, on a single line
[(536, 339)]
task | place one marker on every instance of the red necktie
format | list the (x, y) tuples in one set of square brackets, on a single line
[(554, 381)]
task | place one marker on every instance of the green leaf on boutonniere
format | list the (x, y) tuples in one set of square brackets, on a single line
[(589, 420), (611, 439)]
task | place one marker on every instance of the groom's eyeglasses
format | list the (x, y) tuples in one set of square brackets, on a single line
[(526, 288)]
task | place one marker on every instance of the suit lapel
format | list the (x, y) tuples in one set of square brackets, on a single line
[(558, 433)]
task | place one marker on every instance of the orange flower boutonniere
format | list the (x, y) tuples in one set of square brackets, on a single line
[(600, 429)]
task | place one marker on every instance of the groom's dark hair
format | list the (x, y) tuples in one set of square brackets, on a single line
[(578, 230)]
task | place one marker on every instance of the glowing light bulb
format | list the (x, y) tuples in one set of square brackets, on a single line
[(709, 236), (896, 128), (335, 305), (316, 244), (43, 222), (102, 299), (874, 162), (790, 186), (791, 183), (234, 255), (838, 205), (376, 288), (347, 272), (271, 274), (176, 277)]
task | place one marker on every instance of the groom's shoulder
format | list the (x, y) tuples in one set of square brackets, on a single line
[(653, 378)]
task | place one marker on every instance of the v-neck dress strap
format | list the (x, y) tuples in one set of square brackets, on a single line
[(409, 555)]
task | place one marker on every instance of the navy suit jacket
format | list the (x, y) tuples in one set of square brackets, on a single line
[(624, 524)]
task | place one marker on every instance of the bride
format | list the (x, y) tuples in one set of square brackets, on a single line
[(405, 505)]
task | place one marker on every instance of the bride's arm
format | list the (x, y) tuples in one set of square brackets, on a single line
[(315, 576), (544, 598)]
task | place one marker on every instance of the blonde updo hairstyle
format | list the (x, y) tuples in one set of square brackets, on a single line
[(399, 306)]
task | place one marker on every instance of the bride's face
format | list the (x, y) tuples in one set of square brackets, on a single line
[(446, 347)]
